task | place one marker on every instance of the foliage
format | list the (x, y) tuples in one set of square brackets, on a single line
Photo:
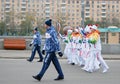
[(89, 21), (40, 24), (27, 25), (62, 19), (2, 27), (104, 22)]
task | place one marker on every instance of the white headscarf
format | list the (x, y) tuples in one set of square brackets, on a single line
[(87, 29), (69, 31), (94, 27)]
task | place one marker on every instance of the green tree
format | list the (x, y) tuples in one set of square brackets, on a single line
[(2, 28), (10, 20), (103, 23), (116, 22), (27, 24), (40, 24), (61, 19), (89, 21)]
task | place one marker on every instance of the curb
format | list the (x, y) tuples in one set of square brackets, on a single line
[(58, 58)]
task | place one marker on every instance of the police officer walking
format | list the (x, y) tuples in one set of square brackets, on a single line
[(37, 45), (51, 47)]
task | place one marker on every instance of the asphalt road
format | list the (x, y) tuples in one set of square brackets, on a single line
[(19, 71)]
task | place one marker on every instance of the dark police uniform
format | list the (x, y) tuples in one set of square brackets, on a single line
[(36, 46), (51, 46)]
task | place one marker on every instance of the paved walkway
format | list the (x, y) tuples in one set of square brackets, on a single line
[(23, 54), (19, 71)]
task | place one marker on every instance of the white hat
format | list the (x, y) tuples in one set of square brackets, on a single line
[(76, 30), (89, 25), (69, 31), (94, 27), (80, 28), (87, 29)]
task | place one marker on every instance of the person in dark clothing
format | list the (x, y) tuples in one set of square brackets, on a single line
[(51, 47), (36, 42)]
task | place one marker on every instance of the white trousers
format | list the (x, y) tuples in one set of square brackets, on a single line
[(102, 61)]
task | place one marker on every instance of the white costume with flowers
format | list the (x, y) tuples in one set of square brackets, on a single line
[(95, 58), (92, 63), (85, 50), (67, 51), (76, 47)]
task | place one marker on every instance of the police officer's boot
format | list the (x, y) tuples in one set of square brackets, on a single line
[(59, 78), (40, 60), (37, 77), (29, 60)]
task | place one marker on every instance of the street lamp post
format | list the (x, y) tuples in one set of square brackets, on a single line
[(5, 30), (26, 18), (82, 13)]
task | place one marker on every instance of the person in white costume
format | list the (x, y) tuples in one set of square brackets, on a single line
[(98, 50), (76, 46), (67, 40), (67, 51), (85, 47), (91, 63), (82, 48), (95, 58)]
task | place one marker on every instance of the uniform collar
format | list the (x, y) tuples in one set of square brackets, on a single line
[(48, 28), (51, 28), (36, 32)]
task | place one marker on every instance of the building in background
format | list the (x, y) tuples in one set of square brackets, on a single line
[(96, 10), (110, 35), (68, 12)]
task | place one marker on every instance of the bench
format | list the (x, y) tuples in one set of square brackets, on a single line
[(14, 43)]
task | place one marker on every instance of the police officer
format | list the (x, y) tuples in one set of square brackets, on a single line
[(37, 44), (51, 47)]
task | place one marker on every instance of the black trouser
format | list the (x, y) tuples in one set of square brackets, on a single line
[(36, 48), (48, 58)]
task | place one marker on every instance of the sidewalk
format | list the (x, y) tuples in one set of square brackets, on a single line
[(24, 54)]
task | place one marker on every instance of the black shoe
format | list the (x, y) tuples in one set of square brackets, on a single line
[(29, 60), (37, 78), (72, 63), (40, 61), (82, 65), (59, 78)]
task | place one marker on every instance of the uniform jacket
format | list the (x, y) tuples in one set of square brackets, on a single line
[(51, 42), (36, 38)]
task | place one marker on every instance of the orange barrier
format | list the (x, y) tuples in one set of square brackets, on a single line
[(14, 44)]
